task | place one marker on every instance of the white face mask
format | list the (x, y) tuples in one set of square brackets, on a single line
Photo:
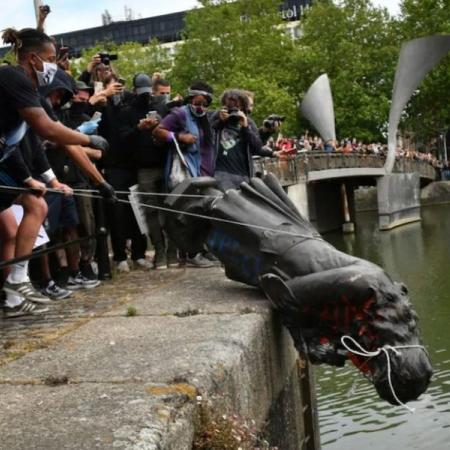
[(198, 111), (48, 73)]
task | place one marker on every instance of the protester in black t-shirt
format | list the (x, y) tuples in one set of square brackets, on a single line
[(79, 112), (19, 108)]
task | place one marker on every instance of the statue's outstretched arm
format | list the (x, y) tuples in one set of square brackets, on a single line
[(341, 285)]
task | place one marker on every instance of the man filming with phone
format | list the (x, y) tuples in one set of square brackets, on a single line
[(137, 122)]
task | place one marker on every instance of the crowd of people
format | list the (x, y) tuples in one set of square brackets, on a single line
[(65, 141), (310, 143)]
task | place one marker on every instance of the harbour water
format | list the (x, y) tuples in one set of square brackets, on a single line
[(351, 415)]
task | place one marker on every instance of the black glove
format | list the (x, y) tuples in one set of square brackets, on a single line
[(107, 192), (98, 142)]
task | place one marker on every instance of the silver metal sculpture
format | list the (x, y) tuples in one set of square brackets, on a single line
[(37, 4), (416, 59), (317, 107)]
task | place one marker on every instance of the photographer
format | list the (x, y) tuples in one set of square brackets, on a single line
[(271, 125), (236, 140), (98, 69)]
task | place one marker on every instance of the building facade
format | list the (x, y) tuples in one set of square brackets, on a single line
[(166, 28)]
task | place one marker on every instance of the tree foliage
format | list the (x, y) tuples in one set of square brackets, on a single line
[(429, 111), (355, 44), (244, 44)]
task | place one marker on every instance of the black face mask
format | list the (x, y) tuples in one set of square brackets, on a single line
[(79, 107), (144, 100), (161, 99)]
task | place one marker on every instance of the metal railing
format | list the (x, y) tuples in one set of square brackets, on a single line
[(295, 169)]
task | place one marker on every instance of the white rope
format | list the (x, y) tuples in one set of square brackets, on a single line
[(170, 210), (161, 194), (385, 349)]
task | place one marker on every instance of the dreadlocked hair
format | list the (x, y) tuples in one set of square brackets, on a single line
[(25, 40)]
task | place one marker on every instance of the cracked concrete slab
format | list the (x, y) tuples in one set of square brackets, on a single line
[(93, 416), (214, 294)]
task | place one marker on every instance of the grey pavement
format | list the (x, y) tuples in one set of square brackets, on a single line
[(87, 376)]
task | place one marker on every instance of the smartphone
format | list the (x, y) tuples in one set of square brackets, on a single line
[(98, 87), (63, 52), (96, 116), (152, 115)]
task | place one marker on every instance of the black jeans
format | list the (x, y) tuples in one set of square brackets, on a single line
[(121, 221), (151, 179)]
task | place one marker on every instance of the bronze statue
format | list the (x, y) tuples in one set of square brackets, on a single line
[(322, 294)]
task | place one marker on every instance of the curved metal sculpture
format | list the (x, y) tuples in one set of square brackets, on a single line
[(317, 107), (321, 293), (416, 59)]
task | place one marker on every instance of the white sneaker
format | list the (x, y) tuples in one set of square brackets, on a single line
[(122, 266), (23, 309), (142, 263), (199, 261)]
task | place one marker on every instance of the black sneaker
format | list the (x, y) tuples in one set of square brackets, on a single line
[(62, 276), (55, 292), (26, 308), (74, 283), (27, 291), (87, 271)]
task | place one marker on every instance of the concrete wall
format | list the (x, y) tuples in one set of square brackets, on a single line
[(321, 203), (398, 199), (325, 205), (298, 193), (436, 193)]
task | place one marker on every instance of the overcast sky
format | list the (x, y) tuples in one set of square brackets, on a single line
[(70, 15)]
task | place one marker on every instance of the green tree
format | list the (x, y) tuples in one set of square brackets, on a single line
[(356, 44), (429, 111), (242, 44)]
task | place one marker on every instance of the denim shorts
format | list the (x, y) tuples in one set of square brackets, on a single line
[(6, 198), (62, 212)]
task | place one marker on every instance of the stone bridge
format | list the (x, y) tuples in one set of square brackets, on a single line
[(322, 186)]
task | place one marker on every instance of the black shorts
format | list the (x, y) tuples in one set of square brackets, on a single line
[(6, 198), (62, 212)]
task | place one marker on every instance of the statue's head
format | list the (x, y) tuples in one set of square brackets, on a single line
[(408, 371)]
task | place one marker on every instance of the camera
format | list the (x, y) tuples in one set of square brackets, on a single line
[(270, 122), (107, 57), (233, 116)]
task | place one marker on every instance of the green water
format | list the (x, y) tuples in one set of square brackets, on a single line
[(350, 413)]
